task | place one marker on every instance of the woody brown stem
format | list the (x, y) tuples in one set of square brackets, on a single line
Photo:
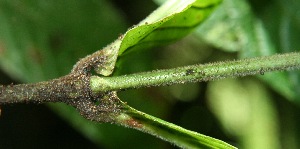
[(67, 88)]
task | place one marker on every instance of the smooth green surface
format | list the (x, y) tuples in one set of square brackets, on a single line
[(172, 21), (167, 131)]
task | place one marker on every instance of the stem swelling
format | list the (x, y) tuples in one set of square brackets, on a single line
[(197, 73)]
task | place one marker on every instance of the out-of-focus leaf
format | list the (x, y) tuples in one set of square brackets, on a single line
[(38, 38), (282, 20), (289, 26), (234, 27), (245, 111)]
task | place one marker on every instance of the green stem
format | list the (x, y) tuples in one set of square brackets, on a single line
[(197, 73), (167, 131)]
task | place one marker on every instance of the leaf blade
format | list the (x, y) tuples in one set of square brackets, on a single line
[(170, 22)]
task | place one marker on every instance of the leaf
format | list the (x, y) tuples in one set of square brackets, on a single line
[(234, 27), (176, 135), (170, 22)]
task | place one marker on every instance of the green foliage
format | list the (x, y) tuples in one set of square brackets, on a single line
[(234, 27), (43, 40), (172, 21)]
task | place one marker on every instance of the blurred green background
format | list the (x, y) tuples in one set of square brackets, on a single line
[(41, 40)]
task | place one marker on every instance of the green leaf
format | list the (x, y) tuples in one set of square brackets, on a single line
[(176, 135), (170, 22)]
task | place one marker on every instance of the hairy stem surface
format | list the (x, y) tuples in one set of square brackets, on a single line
[(197, 73), (65, 89)]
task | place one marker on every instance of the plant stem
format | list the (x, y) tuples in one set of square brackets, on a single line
[(167, 131), (65, 89), (197, 73)]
